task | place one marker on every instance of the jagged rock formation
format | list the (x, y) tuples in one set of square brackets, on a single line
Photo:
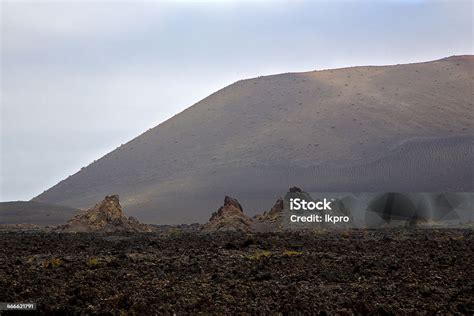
[(106, 216), (274, 214), (271, 220), (295, 190), (229, 217), (274, 219), (278, 217)]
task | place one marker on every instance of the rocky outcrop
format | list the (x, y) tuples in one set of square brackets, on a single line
[(271, 220), (277, 218), (229, 217), (274, 214), (295, 190), (106, 216)]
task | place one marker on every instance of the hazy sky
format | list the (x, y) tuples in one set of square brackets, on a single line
[(80, 78)]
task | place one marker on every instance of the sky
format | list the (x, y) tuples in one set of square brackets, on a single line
[(77, 79)]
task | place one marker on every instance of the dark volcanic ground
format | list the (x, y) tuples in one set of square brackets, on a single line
[(348, 272)]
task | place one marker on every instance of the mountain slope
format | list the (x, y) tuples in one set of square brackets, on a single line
[(20, 212), (403, 128)]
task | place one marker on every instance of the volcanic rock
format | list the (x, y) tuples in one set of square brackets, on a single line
[(295, 190), (274, 214), (276, 211), (229, 217), (271, 220), (297, 193), (106, 216), (338, 208), (240, 274)]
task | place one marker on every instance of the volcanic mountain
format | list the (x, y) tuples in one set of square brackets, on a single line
[(375, 128)]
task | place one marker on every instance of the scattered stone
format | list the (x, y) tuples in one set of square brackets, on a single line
[(420, 271)]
